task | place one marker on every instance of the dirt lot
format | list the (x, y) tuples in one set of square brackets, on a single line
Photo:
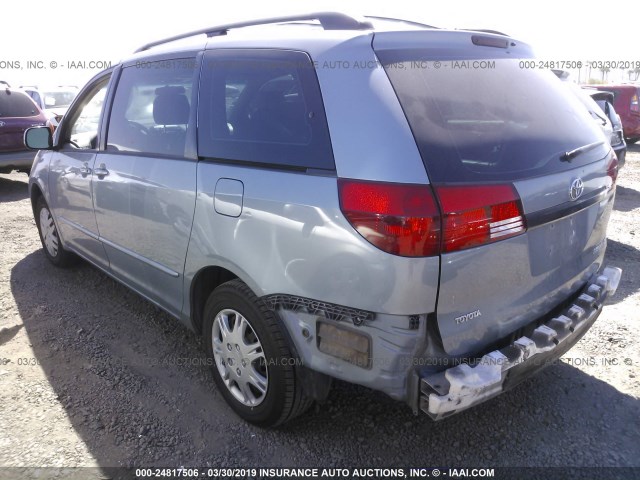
[(91, 375)]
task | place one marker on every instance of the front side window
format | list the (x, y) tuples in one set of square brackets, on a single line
[(263, 107), (85, 119), (152, 108)]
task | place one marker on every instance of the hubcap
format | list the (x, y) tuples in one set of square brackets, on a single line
[(239, 357), (49, 232)]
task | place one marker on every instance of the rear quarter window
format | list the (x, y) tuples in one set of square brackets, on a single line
[(262, 107), (16, 104)]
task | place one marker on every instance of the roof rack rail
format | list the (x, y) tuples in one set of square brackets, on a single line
[(400, 20), (484, 30), (328, 20)]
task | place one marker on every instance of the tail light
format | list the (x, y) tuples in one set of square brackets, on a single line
[(635, 107), (476, 215), (401, 219), (404, 219)]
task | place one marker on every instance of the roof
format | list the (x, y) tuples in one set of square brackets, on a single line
[(325, 20), (316, 33)]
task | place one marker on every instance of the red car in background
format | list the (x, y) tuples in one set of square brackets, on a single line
[(627, 103), (17, 113)]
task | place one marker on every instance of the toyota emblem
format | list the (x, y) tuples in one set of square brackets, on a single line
[(577, 187)]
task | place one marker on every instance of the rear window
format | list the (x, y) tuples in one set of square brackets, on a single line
[(262, 107), (483, 119), (16, 104)]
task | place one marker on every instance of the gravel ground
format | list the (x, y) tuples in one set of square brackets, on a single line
[(93, 376)]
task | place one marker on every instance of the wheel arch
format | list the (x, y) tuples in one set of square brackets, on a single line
[(205, 281), (35, 192)]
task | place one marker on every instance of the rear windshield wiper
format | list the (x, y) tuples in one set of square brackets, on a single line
[(571, 154)]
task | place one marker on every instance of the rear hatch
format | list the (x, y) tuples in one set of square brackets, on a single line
[(17, 113), (523, 177)]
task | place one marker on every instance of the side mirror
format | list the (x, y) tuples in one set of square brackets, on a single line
[(38, 138)]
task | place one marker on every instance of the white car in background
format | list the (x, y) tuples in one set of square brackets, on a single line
[(53, 101)]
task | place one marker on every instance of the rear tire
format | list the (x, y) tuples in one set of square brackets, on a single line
[(50, 238), (253, 365)]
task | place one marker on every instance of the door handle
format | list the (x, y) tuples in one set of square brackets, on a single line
[(101, 171), (85, 170)]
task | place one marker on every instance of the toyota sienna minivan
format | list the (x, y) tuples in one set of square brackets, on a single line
[(328, 197)]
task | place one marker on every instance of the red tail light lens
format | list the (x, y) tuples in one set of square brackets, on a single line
[(635, 107), (400, 219), (476, 215), (404, 219)]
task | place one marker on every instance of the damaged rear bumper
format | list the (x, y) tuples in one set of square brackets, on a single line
[(450, 391)]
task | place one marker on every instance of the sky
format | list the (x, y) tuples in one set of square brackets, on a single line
[(73, 31)]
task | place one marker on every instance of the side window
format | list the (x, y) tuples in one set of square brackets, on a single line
[(35, 96), (152, 108), (262, 106), (85, 119)]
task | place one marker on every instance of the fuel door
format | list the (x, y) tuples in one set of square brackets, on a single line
[(227, 199)]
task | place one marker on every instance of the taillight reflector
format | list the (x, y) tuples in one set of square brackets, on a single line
[(476, 215), (401, 219)]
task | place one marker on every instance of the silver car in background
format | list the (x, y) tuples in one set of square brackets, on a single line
[(53, 101), (604, 100), (322, 196)]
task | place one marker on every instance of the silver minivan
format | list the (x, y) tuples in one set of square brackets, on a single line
[(325, 197)]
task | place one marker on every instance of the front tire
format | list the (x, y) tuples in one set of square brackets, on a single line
[(49, 236), (253, 365)]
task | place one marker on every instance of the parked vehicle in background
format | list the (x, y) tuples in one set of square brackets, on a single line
[(605, 102), (599, 117), (17, 113), (603, 116), (381, 223), (627, 103), (53, 101)]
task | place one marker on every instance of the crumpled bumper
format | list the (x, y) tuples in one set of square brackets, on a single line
[(450, 391)]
